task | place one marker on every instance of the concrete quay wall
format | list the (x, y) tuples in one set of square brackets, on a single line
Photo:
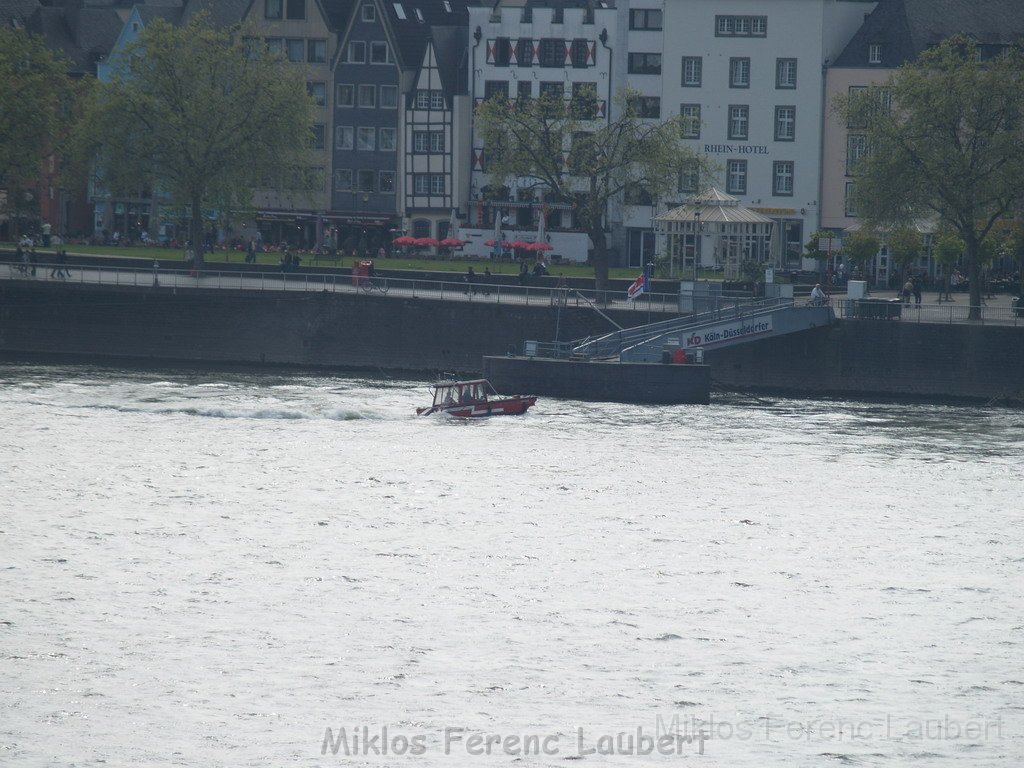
[(889, 359)]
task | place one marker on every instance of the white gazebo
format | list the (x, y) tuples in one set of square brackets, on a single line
[(733, 234)]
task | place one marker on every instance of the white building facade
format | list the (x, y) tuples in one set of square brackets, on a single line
[(524, 50), (751, 73)]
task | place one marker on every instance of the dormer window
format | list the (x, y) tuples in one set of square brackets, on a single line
[(369, 13), (875, 53), (419, 15), (400, 11)]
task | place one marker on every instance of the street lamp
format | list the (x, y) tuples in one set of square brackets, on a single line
[(696, 242)]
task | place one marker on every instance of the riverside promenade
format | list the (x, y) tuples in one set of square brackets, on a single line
[(997, 309)]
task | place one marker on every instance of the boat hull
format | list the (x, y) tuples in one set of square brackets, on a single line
[(506, 406)]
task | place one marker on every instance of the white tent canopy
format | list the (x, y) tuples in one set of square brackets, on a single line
[(736, 234)]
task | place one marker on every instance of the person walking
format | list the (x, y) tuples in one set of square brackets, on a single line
[(917, 291), (470, 279), (908, 288)]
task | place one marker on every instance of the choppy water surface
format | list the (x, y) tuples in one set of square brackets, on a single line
[(212, 569)]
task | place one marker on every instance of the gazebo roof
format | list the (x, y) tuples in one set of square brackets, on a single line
[(715, 207)]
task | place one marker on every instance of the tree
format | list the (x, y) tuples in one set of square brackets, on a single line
[(947, 250), (202, 115), (859, 248), (904, 246), (36, 94), (944, 138), (557, 145)]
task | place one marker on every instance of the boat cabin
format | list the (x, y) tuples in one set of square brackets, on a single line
[(462, 392)]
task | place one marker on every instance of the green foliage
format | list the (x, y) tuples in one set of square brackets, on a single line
[(811, 250), (950, 144), (905, 245), (202, 115), (36, 100), (860, 247), (947, 248), (559, 146)]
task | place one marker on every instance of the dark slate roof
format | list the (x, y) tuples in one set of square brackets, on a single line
[(338, 12), (84, 36), (168, 13), (905, 28), (421, 16), (451, 46), (17, 12), (223, 13)]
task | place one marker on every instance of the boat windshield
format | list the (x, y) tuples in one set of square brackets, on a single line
[(462, 392), (444, 395)]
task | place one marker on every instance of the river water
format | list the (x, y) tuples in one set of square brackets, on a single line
[(213, 569)]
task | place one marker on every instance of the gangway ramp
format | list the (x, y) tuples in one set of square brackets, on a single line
[(740, 324)]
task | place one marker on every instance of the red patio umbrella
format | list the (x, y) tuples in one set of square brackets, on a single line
[(490, 243), (452, 242), (521, 244), (540, 247), (404, 240), (430, 242)]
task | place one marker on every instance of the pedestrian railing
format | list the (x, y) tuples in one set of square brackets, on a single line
[(886, 309), (446, 290)]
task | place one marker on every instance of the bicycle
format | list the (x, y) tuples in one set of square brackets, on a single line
[(368, 284)]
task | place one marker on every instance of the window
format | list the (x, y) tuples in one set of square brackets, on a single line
[(316, 51), (343, 180), (367, 95), (425, 142), (584, 101), (295, 50), (856, 118), (875, 53), (368, 12), (421, 186), (273, 9), (400, 11), (387, 181), (296, 9), (782, 178), (692, 66), (552, 53), (646, 106), (524, 89), (580, 51), (356, 52), (739, 73), (366, 139), (689, 177), (430, 99), (739, 121), (366, 180), (644, 18), (502, 52), (785, 73), (343, 137), (884, 96), (437, 183), (736, 177), (319, 93), (345, 96), (856, 148), (386, 140), (389, 96), (851, 199), (524, 52), (785, 123), (741, 26), (495, 88), (691, 120), (275, 46), (645, 63), (380, 53), (318, 139), (553, 90)]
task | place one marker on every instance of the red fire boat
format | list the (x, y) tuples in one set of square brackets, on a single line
[(473, 399)]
